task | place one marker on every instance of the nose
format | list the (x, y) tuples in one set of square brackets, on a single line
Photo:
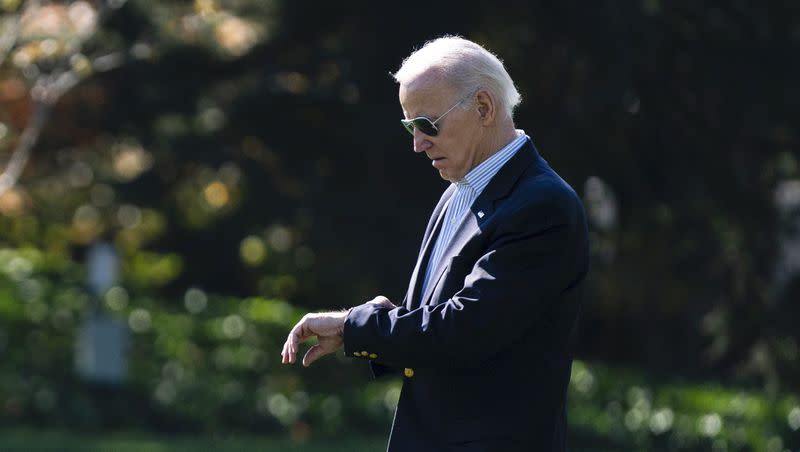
[(421, 142)]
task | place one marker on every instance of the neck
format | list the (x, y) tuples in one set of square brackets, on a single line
[(495, 141)]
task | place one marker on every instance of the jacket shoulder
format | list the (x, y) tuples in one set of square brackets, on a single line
[(542, 190)]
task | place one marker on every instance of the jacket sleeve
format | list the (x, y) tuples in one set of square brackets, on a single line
[(531, 259)]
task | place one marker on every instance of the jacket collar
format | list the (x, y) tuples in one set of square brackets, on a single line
[(505, 179)]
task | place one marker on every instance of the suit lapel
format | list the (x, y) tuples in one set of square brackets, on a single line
[(467, 228), (432, 231), (480, 212)]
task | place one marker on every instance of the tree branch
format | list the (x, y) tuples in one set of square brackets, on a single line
[(22, 153), (8, 37), (47, 91)]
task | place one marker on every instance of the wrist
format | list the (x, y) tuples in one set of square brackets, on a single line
[(343, 319)]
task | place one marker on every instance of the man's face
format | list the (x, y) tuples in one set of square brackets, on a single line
[(453, 151)]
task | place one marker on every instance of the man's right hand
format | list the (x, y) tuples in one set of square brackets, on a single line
[(382, 301), (327, 327)]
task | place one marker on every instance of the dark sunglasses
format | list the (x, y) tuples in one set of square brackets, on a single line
[(425, 125)]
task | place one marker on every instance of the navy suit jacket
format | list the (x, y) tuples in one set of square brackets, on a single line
[(485, 352)]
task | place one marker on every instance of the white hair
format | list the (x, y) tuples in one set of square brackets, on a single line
[(465, 64)]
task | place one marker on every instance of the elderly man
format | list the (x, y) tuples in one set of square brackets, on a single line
[(483, 336)]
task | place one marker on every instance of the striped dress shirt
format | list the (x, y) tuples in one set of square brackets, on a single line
[(467, 191)]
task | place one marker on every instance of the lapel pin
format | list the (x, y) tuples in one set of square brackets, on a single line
[(480, 214)]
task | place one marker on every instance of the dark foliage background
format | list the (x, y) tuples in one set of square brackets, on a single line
[(245, 149)]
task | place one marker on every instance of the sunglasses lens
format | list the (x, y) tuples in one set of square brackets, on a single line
[(426, 126), (423, 124), (409, 125)]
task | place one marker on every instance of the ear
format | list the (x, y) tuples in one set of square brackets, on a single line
[(487, 107)]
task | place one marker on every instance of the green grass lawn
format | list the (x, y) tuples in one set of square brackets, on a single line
[(52, 441), (31, 440)]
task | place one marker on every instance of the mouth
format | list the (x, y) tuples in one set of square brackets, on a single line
[(436, 162)]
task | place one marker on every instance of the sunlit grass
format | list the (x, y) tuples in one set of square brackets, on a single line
[(62, 441)]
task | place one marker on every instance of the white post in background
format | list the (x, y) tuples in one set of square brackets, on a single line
[(100, 354), (787, 199)]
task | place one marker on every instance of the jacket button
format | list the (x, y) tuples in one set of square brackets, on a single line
[(372, 356), (408, 372)]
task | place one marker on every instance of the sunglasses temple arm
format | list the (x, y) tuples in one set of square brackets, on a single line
[(445, 113)]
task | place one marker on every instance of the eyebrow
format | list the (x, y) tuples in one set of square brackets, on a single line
[(432, 118)]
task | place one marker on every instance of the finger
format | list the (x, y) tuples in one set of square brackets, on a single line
[(290, 349), (382, 301), (294, 347), (290, 353), (293, 340), (285, 353), (313, 354)]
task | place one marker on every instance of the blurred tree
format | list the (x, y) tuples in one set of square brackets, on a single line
[(46, 42)]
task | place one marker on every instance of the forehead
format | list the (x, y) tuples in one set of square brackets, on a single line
[(425, 95)]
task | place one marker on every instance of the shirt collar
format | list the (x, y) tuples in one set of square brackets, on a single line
[(478, 178)]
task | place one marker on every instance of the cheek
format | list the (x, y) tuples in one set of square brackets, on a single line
[(455, 150)]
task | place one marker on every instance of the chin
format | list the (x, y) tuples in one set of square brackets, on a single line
[(450, 176)]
